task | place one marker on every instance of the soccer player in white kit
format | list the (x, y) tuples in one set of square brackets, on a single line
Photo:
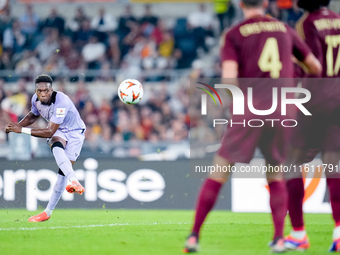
[(64, 133)]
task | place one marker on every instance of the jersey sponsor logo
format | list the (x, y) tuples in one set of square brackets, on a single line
[(60, 112)]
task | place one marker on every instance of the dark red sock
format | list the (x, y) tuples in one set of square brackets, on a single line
[(205, 202), (334, 195), (296, 192), (278, 204)]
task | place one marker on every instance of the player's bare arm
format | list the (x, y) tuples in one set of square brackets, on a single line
[(229, 69), (313, 64), (42, 133), (29, 119)]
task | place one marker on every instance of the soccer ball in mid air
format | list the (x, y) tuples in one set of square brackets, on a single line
[(130, 91)]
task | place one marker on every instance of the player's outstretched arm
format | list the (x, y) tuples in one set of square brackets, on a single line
[(29, 119), (42, 132)]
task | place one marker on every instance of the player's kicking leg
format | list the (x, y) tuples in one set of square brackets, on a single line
[(58, 190), (205, 202), (66, 172), (65, 164)]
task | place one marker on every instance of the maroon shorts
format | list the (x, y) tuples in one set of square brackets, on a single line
[(321, 130), (239, 143)]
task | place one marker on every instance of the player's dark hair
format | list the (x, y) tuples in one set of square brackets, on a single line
[(43, 78), (252, 3), (314, 5)]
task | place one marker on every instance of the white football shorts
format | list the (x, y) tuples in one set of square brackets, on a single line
[(75, 140)]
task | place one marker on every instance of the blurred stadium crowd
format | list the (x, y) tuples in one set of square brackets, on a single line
[(103, 43)]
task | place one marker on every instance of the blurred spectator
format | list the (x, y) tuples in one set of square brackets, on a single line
[(15, 104), (185, 49), (54, 20), (124, 21), (148, 17), (131, 38), (81, 96), (5, 61), (74, 60), (4, 119), (76, 22), (202, 24), (225, 12), (14, 39), (157, 32), (201, 19), (54, 64), (49, 46), (166, 46), (29, 22), (82, 36), (6, 20), (2, 90), (28, 63), (284, 7), (294, 14), (105, 73), (131, 65), (144, 47), (66, 47), (113, 53), (93, 52), (103, 23), (273, 10)]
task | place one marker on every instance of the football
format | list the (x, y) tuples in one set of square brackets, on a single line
[(130, 91)]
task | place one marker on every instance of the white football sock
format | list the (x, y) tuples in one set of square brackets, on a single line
[(58, 190), (336, 233), (298, 234), (48, 212), (64, 163)]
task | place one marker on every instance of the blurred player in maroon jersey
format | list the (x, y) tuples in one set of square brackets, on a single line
[(320, 28), (259, 47)]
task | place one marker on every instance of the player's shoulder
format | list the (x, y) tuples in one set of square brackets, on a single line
[(305, 21), (233, 31), (230, 31), (34, 98), (58, 96)]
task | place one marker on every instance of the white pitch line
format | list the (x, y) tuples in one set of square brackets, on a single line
[(93, 226)]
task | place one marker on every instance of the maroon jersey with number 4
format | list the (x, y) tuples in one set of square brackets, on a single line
[(321, 31), (263, 48)]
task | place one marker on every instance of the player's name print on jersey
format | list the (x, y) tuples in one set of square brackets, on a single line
[(327, 24), (259, 27)]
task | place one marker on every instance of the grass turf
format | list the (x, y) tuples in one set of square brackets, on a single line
[(146, 232)]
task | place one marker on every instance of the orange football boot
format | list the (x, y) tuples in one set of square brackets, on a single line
[(75, 187), (39, 218)]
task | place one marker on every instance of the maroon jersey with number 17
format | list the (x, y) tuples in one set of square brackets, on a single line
[(321, 31)]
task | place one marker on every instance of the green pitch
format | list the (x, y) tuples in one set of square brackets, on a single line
[(148, 232)]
